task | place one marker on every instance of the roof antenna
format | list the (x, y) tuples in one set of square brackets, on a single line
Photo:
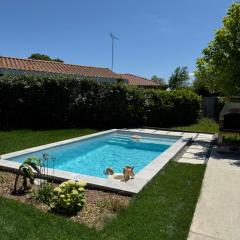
[(113, 38)]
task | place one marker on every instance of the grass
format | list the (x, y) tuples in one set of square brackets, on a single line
[(22, 139), (163, 210), (203, 125), (19, 221)]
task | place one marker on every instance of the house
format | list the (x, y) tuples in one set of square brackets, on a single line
[(11, 65), (138, 81)]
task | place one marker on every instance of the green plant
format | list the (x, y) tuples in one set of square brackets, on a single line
[(159, 80), (232, 139), (44, 57), (219, 65), (179, 78), (27, 170), (86, 103), (207, 125), (44, 193), (200, 87), (68, 197)]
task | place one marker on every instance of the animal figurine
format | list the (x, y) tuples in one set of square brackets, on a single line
[(116, 176), (108, 171), (128, 173)]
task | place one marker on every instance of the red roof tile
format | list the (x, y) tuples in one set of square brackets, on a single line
[(138, 81), (54, 67), (32, 65)]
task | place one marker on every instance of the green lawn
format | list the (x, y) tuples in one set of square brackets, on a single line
[(203, 125), (163, 210), (22, 139)]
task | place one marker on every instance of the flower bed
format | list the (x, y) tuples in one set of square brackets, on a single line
[(98, 207)]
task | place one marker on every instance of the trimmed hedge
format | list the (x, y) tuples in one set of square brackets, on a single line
[(56, 102)]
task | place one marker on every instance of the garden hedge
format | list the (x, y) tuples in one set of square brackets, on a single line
[(57, 102)]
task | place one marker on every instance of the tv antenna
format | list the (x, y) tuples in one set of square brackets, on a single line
[(113, 38)]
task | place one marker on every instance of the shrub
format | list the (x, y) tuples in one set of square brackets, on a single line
[(44, 193), (231, 139), (68, 197), (57, 102)]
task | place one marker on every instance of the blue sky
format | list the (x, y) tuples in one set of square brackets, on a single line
[(154, 36)]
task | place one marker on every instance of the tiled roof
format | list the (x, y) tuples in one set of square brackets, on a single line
[(138, 81), (54, 67), (32, 65)]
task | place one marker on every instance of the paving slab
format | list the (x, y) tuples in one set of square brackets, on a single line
[(191, 160), (208, 136), (189, 134), (199, 147), (217, 215), (197, 152), (199, 155), (148, 130), (161, 132), (202, 143), (175, 133), (202, 150)]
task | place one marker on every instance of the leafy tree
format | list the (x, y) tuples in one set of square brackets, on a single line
[(219, 66), (158, 80), (39, 56), (199, 86), (57, 60), (179, 78)]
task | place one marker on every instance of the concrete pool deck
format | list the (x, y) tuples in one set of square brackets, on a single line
[(217, 215), (130, 187), (198, 152)]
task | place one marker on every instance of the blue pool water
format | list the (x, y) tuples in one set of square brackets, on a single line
[(94, 155)]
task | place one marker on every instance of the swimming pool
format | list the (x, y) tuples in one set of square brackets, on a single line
[(92, 156), (86, 158)]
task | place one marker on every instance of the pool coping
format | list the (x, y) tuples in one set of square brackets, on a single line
[(130, 187)]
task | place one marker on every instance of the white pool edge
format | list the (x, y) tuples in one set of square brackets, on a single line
[(131, 187)]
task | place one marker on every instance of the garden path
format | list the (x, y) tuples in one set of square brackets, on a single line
[(217, 214)]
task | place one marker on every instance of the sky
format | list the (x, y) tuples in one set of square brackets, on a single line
[(155, 36)]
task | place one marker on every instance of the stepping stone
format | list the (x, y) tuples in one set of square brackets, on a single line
[(199, 155), (197, 150), (191, 160), (205, 136), (198, 147)]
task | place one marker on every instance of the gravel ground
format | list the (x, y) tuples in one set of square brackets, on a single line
[(100, 206)]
